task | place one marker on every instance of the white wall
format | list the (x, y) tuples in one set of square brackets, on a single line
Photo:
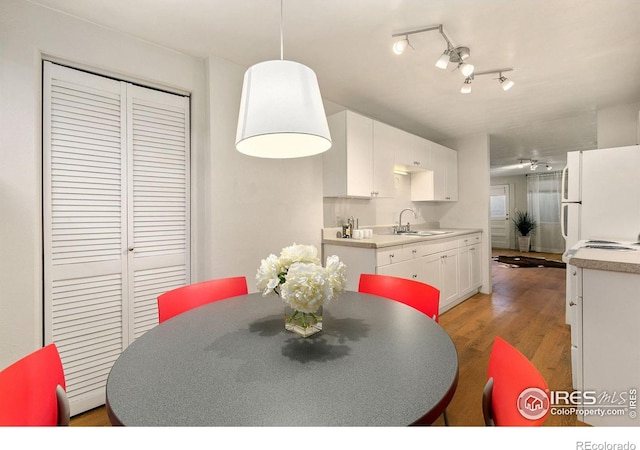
[(27, 32), (254, 206), (472, 208), (242, 208), (618, 126)]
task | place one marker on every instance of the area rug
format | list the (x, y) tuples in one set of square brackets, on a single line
[(527, 261)]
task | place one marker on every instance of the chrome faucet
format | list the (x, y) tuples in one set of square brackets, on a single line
[(407, 226)]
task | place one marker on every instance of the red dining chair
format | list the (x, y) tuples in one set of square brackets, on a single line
[(421, 296), (515, 393), (185, 298), (32, 391)]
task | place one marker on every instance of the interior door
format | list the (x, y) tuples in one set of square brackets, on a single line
[(115, 218), (500, 223)]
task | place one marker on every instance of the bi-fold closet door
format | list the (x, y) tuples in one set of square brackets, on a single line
[(115, 218)]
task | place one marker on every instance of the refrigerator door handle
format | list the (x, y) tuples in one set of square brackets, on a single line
[(564, 194), (563, 207)]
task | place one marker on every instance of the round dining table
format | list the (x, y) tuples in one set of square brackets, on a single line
[(377, 362)]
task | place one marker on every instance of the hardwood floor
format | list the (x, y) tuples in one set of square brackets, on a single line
[(526, 308)]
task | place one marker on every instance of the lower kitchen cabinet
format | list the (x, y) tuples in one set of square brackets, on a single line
[(608, 363), (442, 271), (452, 265)]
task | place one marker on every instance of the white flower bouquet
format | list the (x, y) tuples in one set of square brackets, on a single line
[(298, 278)]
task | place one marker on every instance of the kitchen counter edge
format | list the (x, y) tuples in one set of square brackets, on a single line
[(608, 260), (389, 240)]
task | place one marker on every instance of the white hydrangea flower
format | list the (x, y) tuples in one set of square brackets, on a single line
[(298, 277), (268, 276), (336, 274), (299, 253), (306, 288)]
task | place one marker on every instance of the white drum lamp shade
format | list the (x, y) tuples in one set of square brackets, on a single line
[(281, 112)]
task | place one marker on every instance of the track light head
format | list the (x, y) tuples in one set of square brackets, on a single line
[(505, 82), (466, 69), (466, 87), (443, 62), (400, 46)]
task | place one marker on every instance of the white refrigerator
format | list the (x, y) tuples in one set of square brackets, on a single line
[(600, 202), (601, 195)]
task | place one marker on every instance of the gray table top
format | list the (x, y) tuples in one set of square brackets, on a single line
[(377, 362)]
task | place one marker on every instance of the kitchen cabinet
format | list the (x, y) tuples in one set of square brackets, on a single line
[(384, 144), (453, 265), (413, 153), (610, 357), (442, 272), (348, 164), (469, 262), (360, 161), (440, 182)]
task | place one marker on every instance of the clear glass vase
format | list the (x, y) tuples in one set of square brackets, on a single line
[(303, 324)]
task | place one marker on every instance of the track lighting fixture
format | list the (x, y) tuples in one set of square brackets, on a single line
[(533, 164), (453, 54)]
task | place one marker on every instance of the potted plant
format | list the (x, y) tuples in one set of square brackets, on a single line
[(525, 223)]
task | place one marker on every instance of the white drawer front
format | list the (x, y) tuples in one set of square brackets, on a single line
[(389, 256)]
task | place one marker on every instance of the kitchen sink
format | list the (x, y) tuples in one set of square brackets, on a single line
[(420, 233)]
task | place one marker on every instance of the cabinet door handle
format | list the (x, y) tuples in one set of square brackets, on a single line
[(131, 248), (572, 303), (414, 276), (414, 251)]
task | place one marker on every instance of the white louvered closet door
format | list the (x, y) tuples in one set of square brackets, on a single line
[(158, 208), (115, 216)]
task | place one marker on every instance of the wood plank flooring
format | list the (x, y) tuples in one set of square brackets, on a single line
[(526, 308)]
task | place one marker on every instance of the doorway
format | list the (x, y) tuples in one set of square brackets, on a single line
[(500, 225)]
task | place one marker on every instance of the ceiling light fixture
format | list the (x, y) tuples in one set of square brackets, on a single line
[(533, 164), (466, 87), (400, 46), (281, 110), (452, 54), (505, 82)]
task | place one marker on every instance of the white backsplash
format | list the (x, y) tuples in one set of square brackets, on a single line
[(381, 211)]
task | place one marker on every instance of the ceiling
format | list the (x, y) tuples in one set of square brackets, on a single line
[(569, 58)]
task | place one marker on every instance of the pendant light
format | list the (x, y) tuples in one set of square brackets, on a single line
[(281, 110)]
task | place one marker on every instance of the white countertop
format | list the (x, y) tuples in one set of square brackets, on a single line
[(390, 240), (625, 258)]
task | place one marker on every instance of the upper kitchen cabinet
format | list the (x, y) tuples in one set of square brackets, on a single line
[(360, 162), (383, 157), (440, 182), (412, 153)]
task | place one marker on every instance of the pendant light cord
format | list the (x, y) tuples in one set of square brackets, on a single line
[(281, 33)]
